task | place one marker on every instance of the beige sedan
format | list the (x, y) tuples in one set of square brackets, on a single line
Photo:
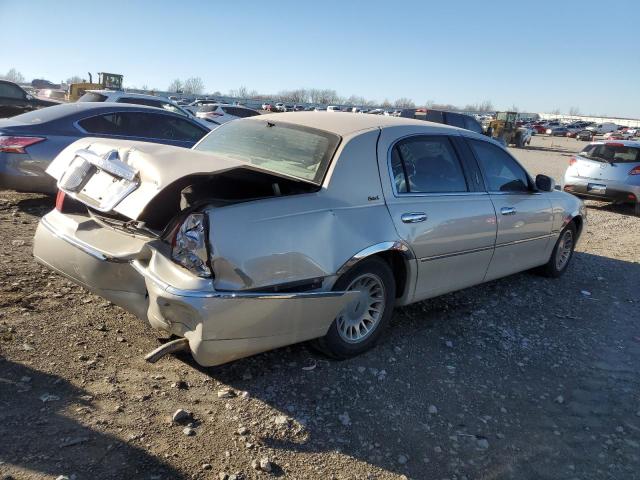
[(283, 228)]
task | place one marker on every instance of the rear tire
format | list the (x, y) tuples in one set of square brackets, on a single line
[(360, 325), (562, 253)]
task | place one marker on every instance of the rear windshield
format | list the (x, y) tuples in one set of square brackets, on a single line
[(612, 153), (92, 97), (284, 148)]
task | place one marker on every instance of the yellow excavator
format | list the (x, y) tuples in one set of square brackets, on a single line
[(109, 81), (505, 129)]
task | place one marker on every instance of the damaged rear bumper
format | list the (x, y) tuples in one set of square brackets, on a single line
[(138, 275)]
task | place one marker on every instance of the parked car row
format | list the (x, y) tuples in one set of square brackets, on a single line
[(15, 100), (583, 130)]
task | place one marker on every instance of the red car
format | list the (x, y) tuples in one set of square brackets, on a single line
[(539, 128)]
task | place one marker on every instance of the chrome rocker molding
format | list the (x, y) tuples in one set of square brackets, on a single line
[(396, 245)]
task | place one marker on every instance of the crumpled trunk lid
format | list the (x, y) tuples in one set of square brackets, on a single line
[(123, 176)]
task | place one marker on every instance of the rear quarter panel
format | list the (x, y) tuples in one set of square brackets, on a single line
[(287, 239), (565, 208)]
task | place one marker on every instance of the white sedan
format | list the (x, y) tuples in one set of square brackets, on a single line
[(219, 113)]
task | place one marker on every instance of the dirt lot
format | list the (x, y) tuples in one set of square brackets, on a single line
[(523, 378)]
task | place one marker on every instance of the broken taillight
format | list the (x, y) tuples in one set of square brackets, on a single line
[(635, 170), (9, 144), (189, 246), (60, 200)]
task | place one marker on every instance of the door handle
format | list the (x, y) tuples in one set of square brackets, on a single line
[(413, 217), (508, 211)]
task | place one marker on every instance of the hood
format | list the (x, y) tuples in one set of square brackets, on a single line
[(123, 176)]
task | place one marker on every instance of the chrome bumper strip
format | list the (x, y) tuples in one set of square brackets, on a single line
[(88, 249), (179, 292), (483, 249)]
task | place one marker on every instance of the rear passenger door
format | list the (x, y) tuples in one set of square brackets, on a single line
[(438, 206), (524, 215)]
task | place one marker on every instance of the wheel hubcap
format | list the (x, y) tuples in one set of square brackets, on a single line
[(361, 317), (565, 247)]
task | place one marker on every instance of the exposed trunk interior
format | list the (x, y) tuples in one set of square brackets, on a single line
[(232, 186)]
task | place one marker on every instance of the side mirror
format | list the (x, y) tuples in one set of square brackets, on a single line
[(545, 184)]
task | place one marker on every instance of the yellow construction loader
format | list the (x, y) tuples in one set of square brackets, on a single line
[(109, 81)]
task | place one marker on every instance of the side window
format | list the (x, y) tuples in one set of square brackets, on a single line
[(165, 127), (11, 91), (182, 130), (427, 164), (103, 124), (502, 172)]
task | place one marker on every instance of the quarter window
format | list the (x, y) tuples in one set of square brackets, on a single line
[(502, 172), (427, 164)]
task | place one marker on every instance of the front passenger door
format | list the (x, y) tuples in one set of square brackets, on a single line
[(525, 216)]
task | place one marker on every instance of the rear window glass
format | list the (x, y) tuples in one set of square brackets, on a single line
[(152, 103), (240, 112), (92, 97), (434, 116), (284, 148), (612, 153)]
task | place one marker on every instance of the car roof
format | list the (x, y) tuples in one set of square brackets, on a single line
[(346, 123), (56, 112), (130, 94)]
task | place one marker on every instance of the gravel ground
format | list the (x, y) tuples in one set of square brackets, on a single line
[(523, 378)]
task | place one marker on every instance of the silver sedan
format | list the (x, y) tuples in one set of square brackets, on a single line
[(606, 170), (298, 226)]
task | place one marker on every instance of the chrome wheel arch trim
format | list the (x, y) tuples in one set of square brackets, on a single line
[(396, 245)]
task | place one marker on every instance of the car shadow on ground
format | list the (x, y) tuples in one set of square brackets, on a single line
[(376, 408), (38, 435), (551, 149), (617, 208), (36, 205)]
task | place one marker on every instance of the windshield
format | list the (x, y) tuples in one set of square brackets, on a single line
[(612, 153), (284, 148)]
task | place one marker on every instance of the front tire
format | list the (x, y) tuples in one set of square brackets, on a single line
[(562, 253), (360, 325)]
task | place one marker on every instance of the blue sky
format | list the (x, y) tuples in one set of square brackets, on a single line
[(538, 55)]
